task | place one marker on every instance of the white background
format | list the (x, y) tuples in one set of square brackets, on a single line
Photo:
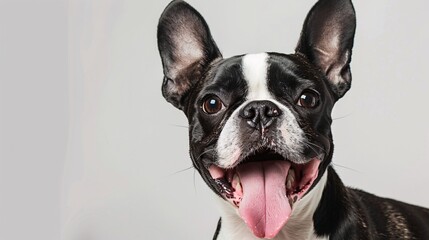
[(89, 149)]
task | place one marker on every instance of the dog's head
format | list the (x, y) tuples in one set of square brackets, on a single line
[(259, 124)]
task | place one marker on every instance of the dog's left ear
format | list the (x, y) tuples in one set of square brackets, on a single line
[(327, 41), (186, 48)]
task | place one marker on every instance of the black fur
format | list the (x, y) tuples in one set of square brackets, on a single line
[(346, 213), (219, 225)]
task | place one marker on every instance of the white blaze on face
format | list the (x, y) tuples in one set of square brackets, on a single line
[(255, 71), (229, 146)]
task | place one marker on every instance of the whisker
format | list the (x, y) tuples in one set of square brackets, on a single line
[(180, 171), (351, 169), (177, 125), (208, 150), (322, 149), (311, 145), (338, 118)]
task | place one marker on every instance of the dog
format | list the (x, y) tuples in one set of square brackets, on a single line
[(260, 131)]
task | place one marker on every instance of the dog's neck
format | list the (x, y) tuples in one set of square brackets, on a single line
[(299, 226)]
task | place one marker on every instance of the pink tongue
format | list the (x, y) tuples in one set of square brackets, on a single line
[(264, 207)]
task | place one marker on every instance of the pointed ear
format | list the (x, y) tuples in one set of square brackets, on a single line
[(186, 48), (327, 41)]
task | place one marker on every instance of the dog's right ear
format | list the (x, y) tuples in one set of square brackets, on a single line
[(186, 48)]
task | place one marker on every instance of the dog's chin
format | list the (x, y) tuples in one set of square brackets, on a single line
[(264, 188)]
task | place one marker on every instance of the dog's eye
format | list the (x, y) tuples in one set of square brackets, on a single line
[(308, 99), (212, 104)]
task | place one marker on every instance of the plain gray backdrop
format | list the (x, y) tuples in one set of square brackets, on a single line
[(89, 149)]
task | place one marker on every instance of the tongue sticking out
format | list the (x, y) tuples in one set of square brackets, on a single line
[(265, 207)]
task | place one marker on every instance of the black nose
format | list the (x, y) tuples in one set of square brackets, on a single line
[(260, 114)]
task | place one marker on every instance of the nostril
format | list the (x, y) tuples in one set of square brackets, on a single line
[(271, 112), (249, 113)]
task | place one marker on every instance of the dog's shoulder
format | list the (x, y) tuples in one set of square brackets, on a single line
[(389, 218)]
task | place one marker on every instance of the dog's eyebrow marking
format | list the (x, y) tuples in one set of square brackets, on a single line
[(255, 72)]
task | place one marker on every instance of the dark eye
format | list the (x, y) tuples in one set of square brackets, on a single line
[(212, 104), (308, 99)]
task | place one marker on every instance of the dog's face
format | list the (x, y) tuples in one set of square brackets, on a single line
[(259, 124)]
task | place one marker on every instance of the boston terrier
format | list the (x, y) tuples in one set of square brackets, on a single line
[(260, 131)]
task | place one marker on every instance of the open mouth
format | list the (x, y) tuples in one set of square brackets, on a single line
[(264, 187)]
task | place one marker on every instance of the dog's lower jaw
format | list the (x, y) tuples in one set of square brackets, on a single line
[(298, 227)]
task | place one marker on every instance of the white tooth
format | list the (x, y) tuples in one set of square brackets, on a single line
[(238, 187), (290, 178), (235, 178), (292, 174)]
